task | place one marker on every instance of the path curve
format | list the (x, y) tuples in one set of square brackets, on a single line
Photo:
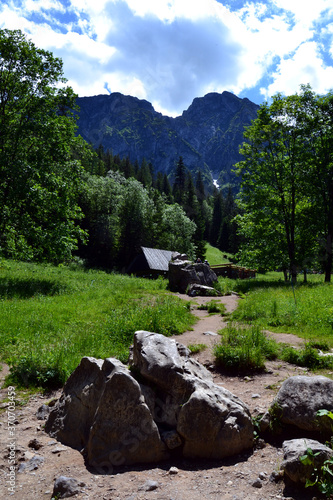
[(205, 330)]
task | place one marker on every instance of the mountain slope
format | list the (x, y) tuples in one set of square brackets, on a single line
[(207, 135)]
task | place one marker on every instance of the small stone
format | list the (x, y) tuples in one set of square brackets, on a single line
[(262, 475), (173, 470), (257, 483), (43, 412), (149, 486), (255, 396), (65, 487), (212, 334), (32, 464)]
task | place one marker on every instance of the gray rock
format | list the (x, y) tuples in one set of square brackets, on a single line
[(43, 412), (114, 420), (172, 439), (299, 399), (293, 449), (33, 464), (183, 273), (196, 289), (149, 486), (214, 424), (257, 483), (65, 487), (211, 420), (123, 430), (72, 416)]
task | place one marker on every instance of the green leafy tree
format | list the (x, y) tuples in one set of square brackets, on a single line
[(177, 231), (39, 179), (318, 174), (273, 194), (101, 201)]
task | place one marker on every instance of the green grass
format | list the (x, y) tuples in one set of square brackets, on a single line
[(50, 317), (244, 350), (213, 307), (195, 348), (215, 256), (305, 310)]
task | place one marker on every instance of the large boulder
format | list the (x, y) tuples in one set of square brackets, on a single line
[(212, 422), (298, 401), (102, 412), (295, 469), (183, 273), (166, 403)]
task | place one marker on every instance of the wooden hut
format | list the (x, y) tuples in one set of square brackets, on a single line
[(232, 271), (150, 263)]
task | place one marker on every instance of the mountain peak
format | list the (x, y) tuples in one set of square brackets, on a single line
[(207, 135)]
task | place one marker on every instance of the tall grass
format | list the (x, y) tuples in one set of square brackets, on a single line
[(50, 317), (244, 350), (306, 309)]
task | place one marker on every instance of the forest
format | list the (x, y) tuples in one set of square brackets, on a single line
[(61, 199)]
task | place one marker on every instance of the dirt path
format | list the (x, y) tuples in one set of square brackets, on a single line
[(234, 479)]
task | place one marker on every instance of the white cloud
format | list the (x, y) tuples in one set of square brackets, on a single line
[(37, 5), (170, 51), (304, 67)]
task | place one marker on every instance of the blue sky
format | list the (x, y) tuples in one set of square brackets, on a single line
[(171, 51)]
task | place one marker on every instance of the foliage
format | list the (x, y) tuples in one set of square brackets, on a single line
[(287, 197), (121, 215), (307, 357), (50, 317), (244, 350), (322, 476), (40, 180), (213, 307), (271, 304), (195, 348)]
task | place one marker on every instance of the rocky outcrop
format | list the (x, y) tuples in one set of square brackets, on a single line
[(297, 402), (188, 277), (166, 403), (207, 135), (297, 470)]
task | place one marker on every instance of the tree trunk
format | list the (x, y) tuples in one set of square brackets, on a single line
[(328, 258)]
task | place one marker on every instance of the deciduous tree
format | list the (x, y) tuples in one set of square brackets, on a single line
[(39, 180)]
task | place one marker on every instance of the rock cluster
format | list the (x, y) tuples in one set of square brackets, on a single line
[(164, 404), (192, 278), (294, 413)]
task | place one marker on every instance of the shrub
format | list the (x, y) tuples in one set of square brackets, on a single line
[(213, 307), (243, 350), (195, 348), (307, 357)]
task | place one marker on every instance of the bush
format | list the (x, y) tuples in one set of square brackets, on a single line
[(34, 371), (307, 357), (195, 348), (244, 350), (213, 307)]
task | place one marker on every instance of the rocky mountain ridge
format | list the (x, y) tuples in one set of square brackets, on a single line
[(207, 135)]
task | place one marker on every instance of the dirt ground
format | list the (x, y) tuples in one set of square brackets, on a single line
[(41, 460)]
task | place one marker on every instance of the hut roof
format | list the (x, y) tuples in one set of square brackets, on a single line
[(157, 259)]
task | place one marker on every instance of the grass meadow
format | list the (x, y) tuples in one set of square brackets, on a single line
[(50, 317), (305, 309)]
